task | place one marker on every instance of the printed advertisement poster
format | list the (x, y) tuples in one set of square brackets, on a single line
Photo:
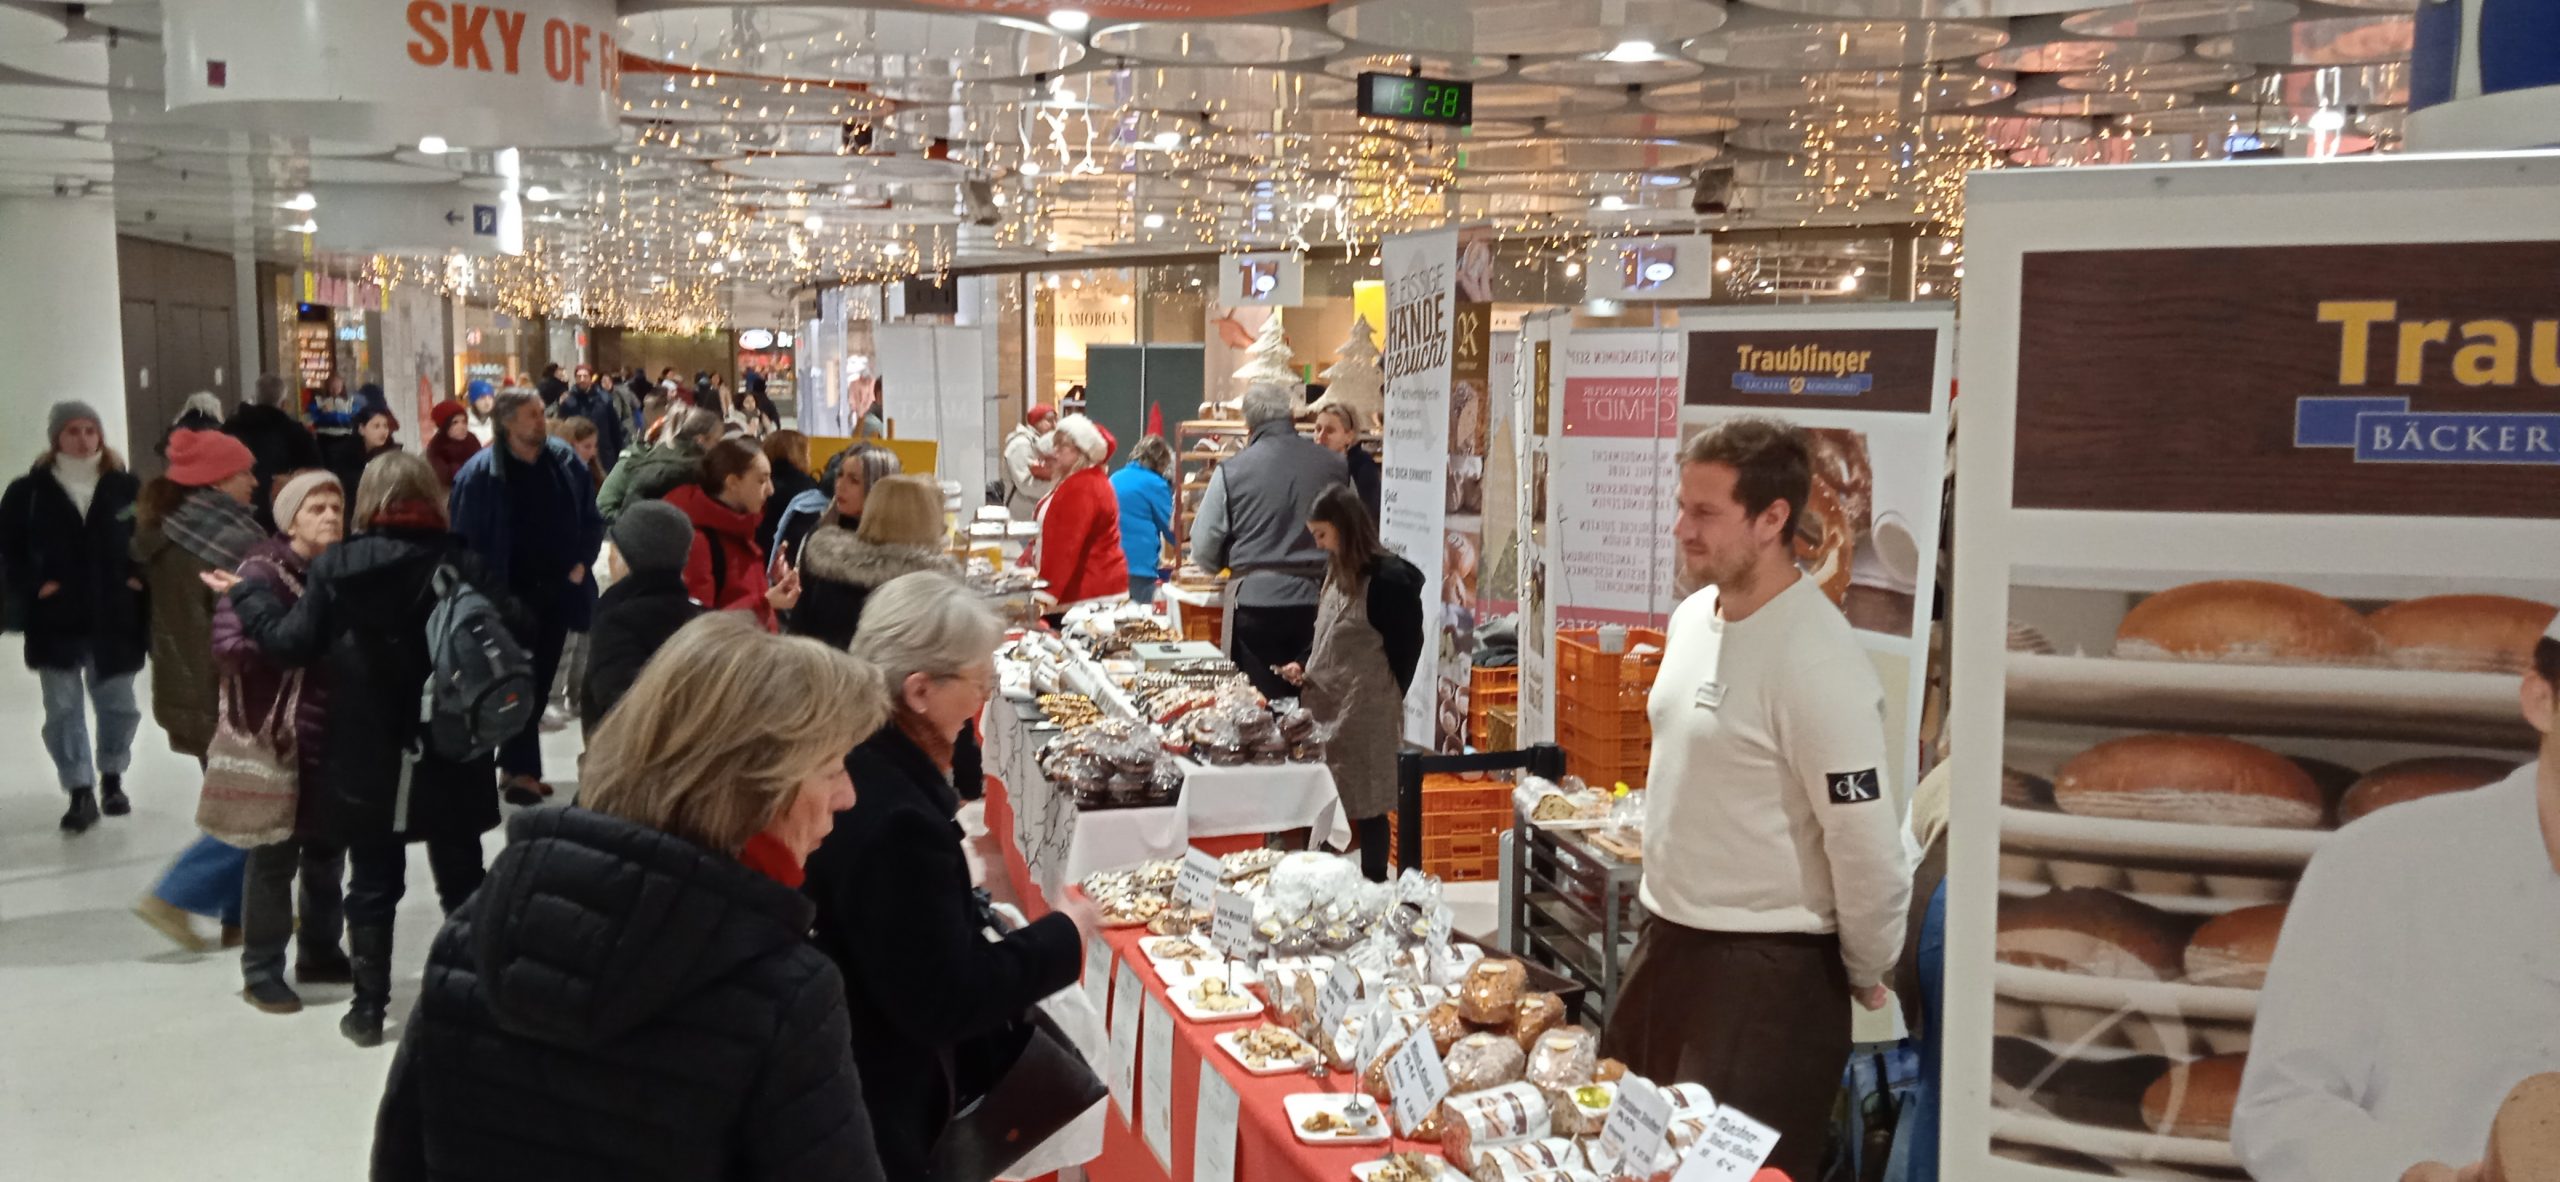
[(1610, 484), (1463, 564), (1498, 592), (417, 356), (1422, 297), (1533, 392), (1869, 387), (2253, 865)]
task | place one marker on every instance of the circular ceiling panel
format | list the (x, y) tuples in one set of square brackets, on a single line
[(1643, 125), (1463, 69), (1586, 156), (2180, 18), (1870, 92), (2010, 132), (1216, 89), (1215, 44), (2057, 101), (838, 169), (2186, 75), (883, 49), (1499, 27), (33, 42), (1600, 71), (1777, 43), (1320, 122), (1923, 9), (1016, 125), (678, 98), (2326, 41), (64, 104), (2072, 54), (182, 138), (1532, 100)]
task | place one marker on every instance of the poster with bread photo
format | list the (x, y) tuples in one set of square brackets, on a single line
[(2256, 867)]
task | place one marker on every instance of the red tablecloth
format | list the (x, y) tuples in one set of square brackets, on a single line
[(1266, 1149)]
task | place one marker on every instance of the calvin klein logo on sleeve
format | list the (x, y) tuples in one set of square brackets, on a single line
[(1855, 787)]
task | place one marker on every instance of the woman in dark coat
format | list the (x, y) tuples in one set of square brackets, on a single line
[(902, 532), (789, 452), (364, 610), (644, 608), (936, 1005), (66, 550), (633, 995)]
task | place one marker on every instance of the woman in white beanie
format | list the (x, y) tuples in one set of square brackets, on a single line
[(1079, 552)]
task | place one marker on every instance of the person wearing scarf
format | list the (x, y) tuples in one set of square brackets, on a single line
[(194, 520), (453, 444)]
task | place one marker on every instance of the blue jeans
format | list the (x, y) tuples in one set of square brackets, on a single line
[(206, 880), (1142, 589), (1915, 1144), (66, 723)]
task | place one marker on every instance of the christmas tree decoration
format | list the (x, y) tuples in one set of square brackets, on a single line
[(1358, 379), (1268, 359)]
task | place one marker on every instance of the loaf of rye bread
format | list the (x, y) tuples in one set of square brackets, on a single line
[(2250, 622), (2524, 1141), (2195, 1099), (2195, 779), (2093, 933), (2233, 949), (2463, 633), (2415, 779)]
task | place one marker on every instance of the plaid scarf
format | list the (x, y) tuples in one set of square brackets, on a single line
[(214, 528)]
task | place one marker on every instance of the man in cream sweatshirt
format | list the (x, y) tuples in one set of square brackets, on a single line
[(1777, 870)]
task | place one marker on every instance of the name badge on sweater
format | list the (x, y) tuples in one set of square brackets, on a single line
[(1710, 695)]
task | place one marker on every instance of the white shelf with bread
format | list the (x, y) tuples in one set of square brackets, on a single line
[(2467, 709), (2119, 1145)]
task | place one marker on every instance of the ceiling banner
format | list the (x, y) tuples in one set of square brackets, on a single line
[(528, 73)]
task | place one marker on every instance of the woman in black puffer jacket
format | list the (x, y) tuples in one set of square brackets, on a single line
[(634, 995)]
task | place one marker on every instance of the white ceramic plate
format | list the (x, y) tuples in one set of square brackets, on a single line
[(1183, 991), (1440, 1169), (1232, 1042), (1307, 1104), (1158, 948)]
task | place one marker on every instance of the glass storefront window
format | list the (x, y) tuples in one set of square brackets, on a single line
[(1071, 310)]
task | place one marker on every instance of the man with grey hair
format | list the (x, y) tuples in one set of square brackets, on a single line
[(278, 443), (1253, 521)]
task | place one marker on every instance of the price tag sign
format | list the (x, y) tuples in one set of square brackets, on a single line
[(1213, 1134), (1231, 925), (1197, 882), (1417, 1080), (1333, 1002), (1376, 1023), (1126, 994), (1639, 1125), (1732, 1151), (1097, 974)]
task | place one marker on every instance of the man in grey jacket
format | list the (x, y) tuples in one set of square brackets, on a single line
[(1253, 521)]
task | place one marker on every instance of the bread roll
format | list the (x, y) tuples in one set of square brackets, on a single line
[(2096, 933), (2195, 779), (2524, 1141), (2234, 949), (2239, 620), (2413, 779), (2195, 1099), (2463, 633)]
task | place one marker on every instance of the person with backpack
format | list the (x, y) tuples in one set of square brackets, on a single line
[(527, 507), (401, 600), (727, 570), (1368, 642)]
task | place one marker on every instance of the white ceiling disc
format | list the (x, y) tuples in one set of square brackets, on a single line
[(1499, 27), (1586, 156), (1217, 89), (1209, 43), (1636, 125), (1597, 71), (69, 104), (2326, 41), (1537, 100), (1429, 65), (837, 169), (2180, 18), (55, 148), (884, 48), (2185, 75), (1758, 40)]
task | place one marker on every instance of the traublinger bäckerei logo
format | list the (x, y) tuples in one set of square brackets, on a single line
[(1802, 369), (2485, 353)]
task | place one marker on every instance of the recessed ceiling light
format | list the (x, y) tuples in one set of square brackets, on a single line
[(537, 193), (1959, 272), (1946, 246), (1168, 140), (1848, 283), (433, 145), (1030, 168), (1613, 203), (1927, 287), (1630, 51), (1070, 20), (736, 255), (1860, 270), (702, 237), (1328, 200), (1573, 270), (302, 202), (1153, 221), (814, 223), (893, 249), (719, 268), (1724, 264)]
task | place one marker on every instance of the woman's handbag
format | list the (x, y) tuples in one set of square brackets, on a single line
[(252, 776), (1047, 1088)]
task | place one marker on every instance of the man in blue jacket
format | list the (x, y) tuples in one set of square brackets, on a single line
[(527, 508), (595, 403)]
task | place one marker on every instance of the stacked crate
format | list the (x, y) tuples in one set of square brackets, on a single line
[(1600, 705), (1486, 690), (1462, 826)]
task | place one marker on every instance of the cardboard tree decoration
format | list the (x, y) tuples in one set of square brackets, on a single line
[(1358, 379)]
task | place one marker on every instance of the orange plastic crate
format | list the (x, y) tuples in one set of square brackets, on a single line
[(1472, 845), (1466, 869), (1465, 796), (1575, 738), (1465, 824), (1481, 681), (1609, 723), (1578, 658)]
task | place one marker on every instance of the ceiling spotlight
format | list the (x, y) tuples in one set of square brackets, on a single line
[(814, 223), (893, 249), (1153, 221), (1848, 283), (1927, 287), (1328, 200), (2328, 119), (537, 193), (1030, 168), (1946, 246), (1860, 270), (1070, 20), (719, 268), (1613, 203), (736, 255), (1959, 272), (1374, 260), (433, 145), (302, 202), (1630, 51), (1572, 270), (305, 226), (702, 237), (1724, 263), (1168, 140)]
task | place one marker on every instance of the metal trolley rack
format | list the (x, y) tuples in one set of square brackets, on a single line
[(1571, 906)]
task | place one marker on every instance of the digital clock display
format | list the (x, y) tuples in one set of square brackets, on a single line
[(1417, 100)]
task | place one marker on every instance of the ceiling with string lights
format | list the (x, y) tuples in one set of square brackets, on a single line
[(768, 146)]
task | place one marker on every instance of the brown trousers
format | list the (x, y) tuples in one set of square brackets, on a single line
[(1761, 1019)]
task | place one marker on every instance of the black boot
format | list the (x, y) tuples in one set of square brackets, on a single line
[(111, 797), (83, 812), (370, 957), (323, 965)]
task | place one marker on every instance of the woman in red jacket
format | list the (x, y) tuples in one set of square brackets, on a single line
[(1079, 550), (725, 504)]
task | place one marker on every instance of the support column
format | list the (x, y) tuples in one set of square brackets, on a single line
[(61, 322), (248, 322)]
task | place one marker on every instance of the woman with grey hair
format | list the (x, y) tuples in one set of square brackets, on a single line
[(936, 1005), (837, 501)]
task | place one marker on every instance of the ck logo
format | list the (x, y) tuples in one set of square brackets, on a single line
[(1854, 787)]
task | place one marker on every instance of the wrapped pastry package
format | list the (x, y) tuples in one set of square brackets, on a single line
[(1490, 994), (1564, 1058), (1476, 1120), (1481, 1062), (1581, 1110), (1608, 1071), (1525, 1159), (1445, 1026), (1533, 1017)]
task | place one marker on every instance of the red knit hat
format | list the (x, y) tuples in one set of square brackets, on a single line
[(445, 412), (199, 459), (1039, 415)]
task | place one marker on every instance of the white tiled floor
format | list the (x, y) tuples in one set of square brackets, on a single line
[(122, 1058)]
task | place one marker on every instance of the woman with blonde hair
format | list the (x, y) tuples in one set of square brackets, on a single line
[(903, 531), (843, 493), (364, 609), (935, 1002), (659, 925)]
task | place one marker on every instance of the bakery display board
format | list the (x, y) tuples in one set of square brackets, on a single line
[(1610, 475), (1533, 422), (2255, 515), (1870, 389)]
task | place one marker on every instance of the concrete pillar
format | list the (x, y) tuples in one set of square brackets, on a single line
[(61, 323), (247, 323)]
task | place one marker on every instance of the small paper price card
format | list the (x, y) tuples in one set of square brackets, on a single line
[(1418, 1081), (1231, 925), (1197, 882), (1333, 1003), (1732, 1151), (1639, 1125)]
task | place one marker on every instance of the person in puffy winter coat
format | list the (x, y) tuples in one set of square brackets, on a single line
[(633, 995), (902, 532)]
